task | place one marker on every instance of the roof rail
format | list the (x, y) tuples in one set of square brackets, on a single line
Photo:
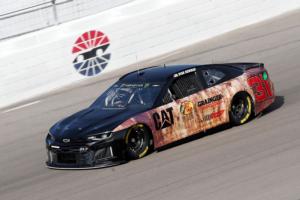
[(138, 70)]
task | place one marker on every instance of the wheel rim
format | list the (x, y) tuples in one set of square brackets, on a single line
[(239, 108), (136, 139)]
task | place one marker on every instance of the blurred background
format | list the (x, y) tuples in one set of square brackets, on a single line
[(23, 16)]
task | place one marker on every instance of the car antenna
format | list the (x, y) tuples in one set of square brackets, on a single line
[(139, 73), (137, 64)]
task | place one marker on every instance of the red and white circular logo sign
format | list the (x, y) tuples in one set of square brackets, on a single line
[(91, 53)]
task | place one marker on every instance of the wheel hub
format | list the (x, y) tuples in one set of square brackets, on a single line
[(136, 140), (239, 109)]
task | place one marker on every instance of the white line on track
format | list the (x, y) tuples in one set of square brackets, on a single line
[(21, 106)]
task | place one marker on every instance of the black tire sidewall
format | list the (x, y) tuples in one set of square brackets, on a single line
[(245, 118), (145, 145)]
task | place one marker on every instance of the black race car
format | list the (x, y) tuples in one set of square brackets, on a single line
[(152, 107)]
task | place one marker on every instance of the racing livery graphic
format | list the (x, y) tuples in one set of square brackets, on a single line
[(152, 107), (91, 53), (163, 120)]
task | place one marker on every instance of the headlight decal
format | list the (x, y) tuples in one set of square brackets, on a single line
[(100, 136)]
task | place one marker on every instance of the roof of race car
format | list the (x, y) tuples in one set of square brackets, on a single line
[(155, 73), (162, 73)]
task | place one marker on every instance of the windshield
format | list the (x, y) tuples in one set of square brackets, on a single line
[(122, 95)]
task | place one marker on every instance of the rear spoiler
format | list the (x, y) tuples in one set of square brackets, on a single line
[(246, 66)]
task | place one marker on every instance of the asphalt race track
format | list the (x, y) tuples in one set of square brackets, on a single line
[(259, 160)]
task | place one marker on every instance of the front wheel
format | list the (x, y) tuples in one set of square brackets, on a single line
[(241, 109), (138, 141)]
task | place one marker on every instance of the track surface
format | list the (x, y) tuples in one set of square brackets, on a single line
[(259, 160)]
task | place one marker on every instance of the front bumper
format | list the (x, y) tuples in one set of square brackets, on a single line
[(86, 155)]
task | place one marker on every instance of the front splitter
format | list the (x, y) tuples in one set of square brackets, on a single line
[(98, 166)]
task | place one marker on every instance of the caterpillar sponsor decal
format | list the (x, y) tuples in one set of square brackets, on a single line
[(210, 101), (163, 119), (91, 53), (186, 107)]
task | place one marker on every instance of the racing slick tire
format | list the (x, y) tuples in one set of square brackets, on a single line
[(241, 109), (138, 141)]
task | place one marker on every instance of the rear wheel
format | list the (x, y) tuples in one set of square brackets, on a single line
[(138, 141), (241, 109)]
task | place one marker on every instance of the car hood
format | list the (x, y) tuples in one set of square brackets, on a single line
[(91, 121)]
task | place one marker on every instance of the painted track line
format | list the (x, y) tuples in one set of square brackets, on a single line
[(21, 106)]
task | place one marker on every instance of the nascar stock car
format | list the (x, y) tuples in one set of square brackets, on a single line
[(152, 107)]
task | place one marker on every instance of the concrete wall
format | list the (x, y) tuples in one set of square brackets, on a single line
[(41, 62)]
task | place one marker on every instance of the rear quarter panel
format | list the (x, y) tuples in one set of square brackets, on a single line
[(263, 90)]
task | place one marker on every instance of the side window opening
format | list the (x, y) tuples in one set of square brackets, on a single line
[(168, 97), (212, 76), (185, 85)]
